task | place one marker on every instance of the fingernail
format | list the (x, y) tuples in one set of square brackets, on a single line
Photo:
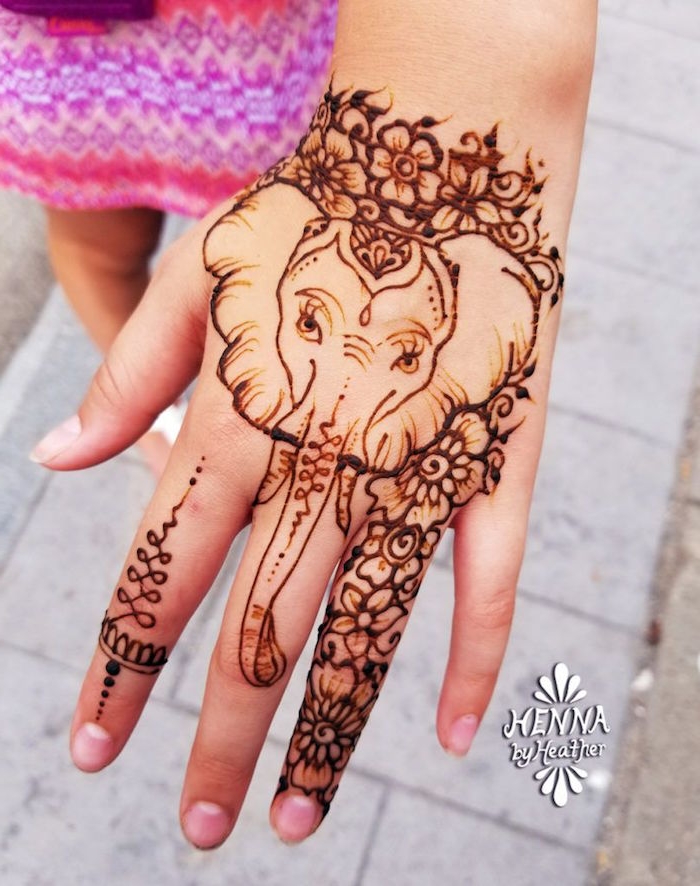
[(206, 825), (91, 748), (57, 440), (296, 817), (462, 734)]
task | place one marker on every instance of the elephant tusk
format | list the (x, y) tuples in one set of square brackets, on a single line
[(279, 470), (348, 469)]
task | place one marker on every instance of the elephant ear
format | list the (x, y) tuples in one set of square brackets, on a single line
[(247, 250), (493, 332)]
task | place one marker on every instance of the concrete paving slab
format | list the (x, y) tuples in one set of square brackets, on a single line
[(25, 275), (647, 80), (422, 843), (597, 512), (51, 373), (121, 826), (626, 350), (676, 16), (691, 547), (636, 206)]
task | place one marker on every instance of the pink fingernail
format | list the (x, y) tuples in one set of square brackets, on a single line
[(206, 825), (91, 748), (462, 734), (296, 817), (57, 440)]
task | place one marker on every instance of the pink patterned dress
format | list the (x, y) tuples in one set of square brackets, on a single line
[(177, 112)]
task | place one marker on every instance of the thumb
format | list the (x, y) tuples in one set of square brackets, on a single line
[(154, 358)]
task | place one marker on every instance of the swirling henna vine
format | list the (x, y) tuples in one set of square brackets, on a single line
[(146, 579), (441, 279), (370, 601)]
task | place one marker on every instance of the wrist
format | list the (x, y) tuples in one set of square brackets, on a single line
[(453, 56)]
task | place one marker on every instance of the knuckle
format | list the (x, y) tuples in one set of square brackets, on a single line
[(213, 768), (108, 386), (225, 666), (231, 441), (495, 610), (167, 262), (480, 676)]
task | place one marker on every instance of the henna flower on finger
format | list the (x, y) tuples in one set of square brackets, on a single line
[(366, 622), (331, 718), (444, 476), (441, 478), (394, 555)]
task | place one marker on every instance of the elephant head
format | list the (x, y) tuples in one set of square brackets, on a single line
[(349, 351)]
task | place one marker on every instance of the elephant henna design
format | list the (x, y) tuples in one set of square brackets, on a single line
[(416, 281)]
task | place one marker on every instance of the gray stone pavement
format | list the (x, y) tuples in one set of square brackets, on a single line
[(406, 813), (24, 271), (650, 832)]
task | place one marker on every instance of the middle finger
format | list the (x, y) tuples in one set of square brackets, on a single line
[(285, 567)]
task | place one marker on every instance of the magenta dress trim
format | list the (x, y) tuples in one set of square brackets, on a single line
[(177, 112)]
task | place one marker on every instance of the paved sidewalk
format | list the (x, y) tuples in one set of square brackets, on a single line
[(651, 829), (24, 271), (406, 813)]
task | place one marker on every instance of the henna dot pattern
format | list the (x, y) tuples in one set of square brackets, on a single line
[(134, 608), (112, 668)]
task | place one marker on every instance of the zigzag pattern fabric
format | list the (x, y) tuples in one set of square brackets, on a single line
[(177, 112)]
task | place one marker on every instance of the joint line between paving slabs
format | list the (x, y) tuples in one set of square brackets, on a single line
[(604, 261), (372, 836), (672, 32), (591, 617), (642, 134), (601, 422)]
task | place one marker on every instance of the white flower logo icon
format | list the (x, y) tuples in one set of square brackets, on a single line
[(557, 781)]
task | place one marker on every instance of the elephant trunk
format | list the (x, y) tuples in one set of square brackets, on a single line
[(313, 476)]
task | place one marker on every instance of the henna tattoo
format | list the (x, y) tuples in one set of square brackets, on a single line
[(371, 599), (140, 592), (420, 277)]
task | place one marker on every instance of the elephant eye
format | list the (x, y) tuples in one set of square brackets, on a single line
[(307, 325), (411, 348), (407, 362)]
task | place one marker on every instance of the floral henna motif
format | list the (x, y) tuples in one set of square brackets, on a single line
[(412, 255), (135, 601), (396, 178), (371, 598)]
